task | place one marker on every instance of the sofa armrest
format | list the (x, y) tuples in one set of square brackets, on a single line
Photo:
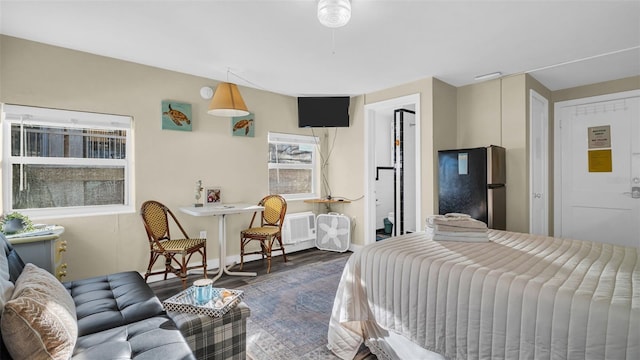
[(215, 337)]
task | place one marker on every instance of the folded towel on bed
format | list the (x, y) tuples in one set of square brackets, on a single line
[(455, 222), (457, 236), (453, 228), (456, 227)]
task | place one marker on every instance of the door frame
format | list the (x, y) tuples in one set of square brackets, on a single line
[(370, 111), (557, 147), (543, 163)]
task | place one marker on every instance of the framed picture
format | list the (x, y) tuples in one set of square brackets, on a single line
[(212, 195), (243, 125), (176, 116)]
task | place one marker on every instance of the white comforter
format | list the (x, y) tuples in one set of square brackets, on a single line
[(516, 297)]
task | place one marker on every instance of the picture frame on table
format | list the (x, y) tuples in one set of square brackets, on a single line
[(212, 195)]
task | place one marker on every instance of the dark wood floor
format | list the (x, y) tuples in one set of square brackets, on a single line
[(167, 288)]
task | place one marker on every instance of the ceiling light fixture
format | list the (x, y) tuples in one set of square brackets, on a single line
[(492, 75), (227, 101), (334, 13)]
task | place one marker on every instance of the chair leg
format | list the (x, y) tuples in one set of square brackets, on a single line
[(204, 261), (266, 247), (282, 248), (263, 250), (268, 263), (183, 272), (167, 266), (241, 252), (152, 259)]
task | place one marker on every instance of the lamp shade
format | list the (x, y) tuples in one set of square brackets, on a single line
[(334, 13), (227, 101)]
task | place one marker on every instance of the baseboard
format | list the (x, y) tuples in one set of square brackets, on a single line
[(354, 247), (215, 264)]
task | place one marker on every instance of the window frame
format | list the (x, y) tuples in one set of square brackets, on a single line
[(12, 114), (282, 138)]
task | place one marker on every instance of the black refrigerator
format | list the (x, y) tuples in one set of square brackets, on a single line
[(472, 181)]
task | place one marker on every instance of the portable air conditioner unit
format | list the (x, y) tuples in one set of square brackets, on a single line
[(298, 227), (333, 232)]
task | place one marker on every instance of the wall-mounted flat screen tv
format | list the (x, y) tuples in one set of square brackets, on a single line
[(328, 111)]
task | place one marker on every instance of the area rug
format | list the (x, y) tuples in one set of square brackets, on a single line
[(290, 313)]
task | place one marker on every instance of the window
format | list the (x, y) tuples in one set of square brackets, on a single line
[(65, 163), (293, 171)]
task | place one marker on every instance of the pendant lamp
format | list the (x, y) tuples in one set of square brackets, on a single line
[(227, 101), (334, 13)]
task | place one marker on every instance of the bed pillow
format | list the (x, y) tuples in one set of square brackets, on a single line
[(39, 322)]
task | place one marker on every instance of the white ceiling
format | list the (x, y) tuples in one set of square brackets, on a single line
[(280, 46)]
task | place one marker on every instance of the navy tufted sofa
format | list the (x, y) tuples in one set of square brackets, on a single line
[(118, 317)]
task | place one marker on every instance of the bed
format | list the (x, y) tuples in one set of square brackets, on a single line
[(518, 296)]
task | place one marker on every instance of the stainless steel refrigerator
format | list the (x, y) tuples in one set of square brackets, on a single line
[(472, 181)]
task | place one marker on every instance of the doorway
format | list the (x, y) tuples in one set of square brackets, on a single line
[(392, 166), (597, 168), (404, 152)]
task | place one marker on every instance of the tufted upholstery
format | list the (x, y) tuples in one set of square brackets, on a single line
[(104, 302), (153, 338)]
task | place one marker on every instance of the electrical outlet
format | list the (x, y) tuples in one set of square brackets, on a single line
[(203, 234)]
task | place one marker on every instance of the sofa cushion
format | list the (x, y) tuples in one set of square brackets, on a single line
[(39, 321), (15, 263), (153, 338), (105, 302), (6, 286), (15, 266)]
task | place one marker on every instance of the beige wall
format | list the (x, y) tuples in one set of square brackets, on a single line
[(346, 169), (167, 163), (445, 127), (438, 131), (603, 88), (348, 158), (479, 115), (495, 113), (514, 131)]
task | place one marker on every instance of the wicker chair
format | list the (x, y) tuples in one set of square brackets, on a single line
[(155, 217), (268, 231)]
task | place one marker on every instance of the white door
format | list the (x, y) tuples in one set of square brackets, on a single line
[(539, 176), (599, 169)]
